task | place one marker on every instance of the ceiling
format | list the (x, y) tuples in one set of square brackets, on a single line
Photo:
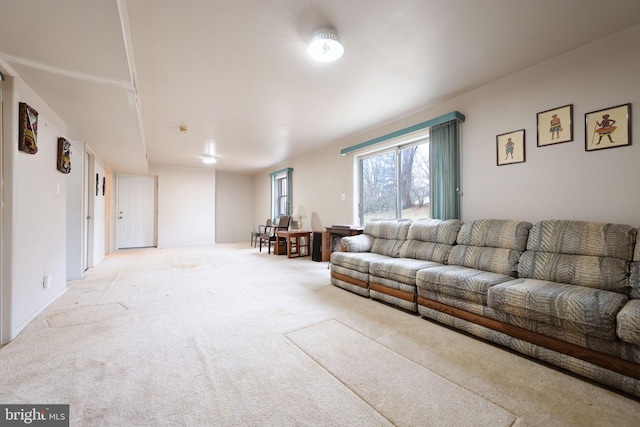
[(125, 75)]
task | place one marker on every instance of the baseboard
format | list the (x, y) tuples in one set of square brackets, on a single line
[(16, 331)]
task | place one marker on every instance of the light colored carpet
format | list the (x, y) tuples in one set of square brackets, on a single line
[(401, 390), (223, 335)]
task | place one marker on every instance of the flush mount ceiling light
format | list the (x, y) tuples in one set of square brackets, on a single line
[(325, 46), (208, 159)]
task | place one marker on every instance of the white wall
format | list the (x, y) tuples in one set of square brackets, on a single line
[(558, 181), (563, 180), (234, 207), (38, 216), (186, 205)]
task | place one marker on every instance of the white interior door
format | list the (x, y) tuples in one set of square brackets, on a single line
[(136, 211)]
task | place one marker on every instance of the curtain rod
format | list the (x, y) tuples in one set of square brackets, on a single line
[(281, 171), (454, 115)]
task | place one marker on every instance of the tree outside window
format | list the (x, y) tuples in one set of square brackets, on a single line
[(395, 183)]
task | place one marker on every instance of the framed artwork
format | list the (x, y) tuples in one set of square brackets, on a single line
[(64, 155), (510, 147), (555, 126), (27, 129), (608, 128), (97, 184)]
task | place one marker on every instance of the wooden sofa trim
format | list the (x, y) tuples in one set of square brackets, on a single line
[(615, 364), (348, 279), (393, 292)]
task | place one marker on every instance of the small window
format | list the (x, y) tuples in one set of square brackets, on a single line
[(281, 192)]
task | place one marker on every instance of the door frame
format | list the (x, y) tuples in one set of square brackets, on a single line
[(7, 112), (88, 206)]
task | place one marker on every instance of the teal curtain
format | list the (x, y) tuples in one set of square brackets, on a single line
[(444, 150)]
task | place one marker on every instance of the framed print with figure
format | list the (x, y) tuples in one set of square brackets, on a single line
[(608, 128), (555, 126), (510, 147)]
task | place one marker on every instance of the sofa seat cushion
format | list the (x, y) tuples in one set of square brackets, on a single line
[(400, 269), (358, 261), (461, 282), (578, 308), (628, 325)]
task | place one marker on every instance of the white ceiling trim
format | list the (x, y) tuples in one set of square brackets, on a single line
[(66, 73), (128, 46)]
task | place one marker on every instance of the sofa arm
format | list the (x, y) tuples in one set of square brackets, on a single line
[(359, 243)]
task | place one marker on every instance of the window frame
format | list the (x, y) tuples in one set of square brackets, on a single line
[(276, 197), (396, 146)]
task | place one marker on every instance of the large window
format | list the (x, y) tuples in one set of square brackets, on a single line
[(394, 183), (414, 174)]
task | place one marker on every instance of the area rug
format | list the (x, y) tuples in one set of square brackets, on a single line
[(401, 390)]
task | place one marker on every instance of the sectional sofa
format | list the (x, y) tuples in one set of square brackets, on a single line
[(564, 292)]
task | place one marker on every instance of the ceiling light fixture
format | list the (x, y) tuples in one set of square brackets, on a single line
[(208, 159), (325, 45)]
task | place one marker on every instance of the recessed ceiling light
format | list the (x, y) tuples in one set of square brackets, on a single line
[(325, 46)]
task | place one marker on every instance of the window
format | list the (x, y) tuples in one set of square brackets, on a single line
[(395, 183), (282, 196), (281, 192), (411, 178)]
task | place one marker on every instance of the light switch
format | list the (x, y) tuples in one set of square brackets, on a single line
[(57, 188)]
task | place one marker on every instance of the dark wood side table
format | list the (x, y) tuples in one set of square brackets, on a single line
[(298, 242), (334, 234)]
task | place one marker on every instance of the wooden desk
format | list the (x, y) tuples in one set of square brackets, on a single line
[(298, 242)]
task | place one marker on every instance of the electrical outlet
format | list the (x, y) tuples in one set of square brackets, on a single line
[(343, 197)]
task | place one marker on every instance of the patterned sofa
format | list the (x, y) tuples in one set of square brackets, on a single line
[(393, 280), (564, 292), (380, 240)]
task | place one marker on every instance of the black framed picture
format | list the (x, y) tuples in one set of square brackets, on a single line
[(510, 148), (555, 126), (608, 128)]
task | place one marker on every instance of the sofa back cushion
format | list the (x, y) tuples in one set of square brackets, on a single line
[(592, 254), (388, 235), (493, 245), (430, 239)]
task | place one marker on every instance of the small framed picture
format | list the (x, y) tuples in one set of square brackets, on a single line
[(510, 147), (555, 126), (608, 128)]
